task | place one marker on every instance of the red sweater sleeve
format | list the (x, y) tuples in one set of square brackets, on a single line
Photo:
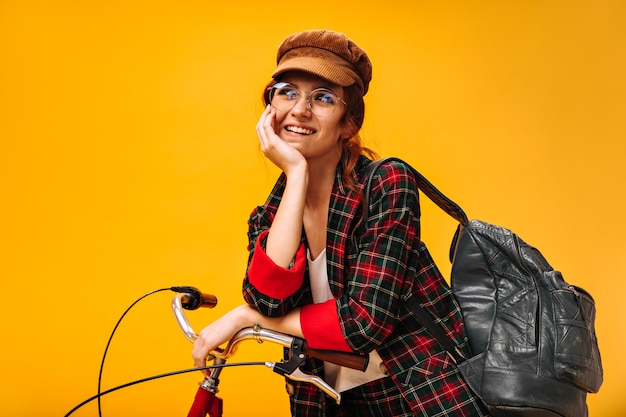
[(274, 280), (321, 328)]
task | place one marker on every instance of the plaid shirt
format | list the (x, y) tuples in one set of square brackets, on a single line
[(373, 268)]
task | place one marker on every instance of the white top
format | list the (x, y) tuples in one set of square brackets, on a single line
[(339, 377)]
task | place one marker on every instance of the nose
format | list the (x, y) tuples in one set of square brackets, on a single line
[(303, 104)]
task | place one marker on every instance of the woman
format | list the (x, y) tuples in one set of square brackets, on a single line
[(317, 270)]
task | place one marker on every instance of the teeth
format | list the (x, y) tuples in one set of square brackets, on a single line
[(300, 130)]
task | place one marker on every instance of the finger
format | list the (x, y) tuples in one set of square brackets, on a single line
[(264, 115), (199, 353), (268, 137), (260, 128), (268, 122), (269, 130), (202, 364)]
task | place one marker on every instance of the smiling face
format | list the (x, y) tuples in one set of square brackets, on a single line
[(314, 136)]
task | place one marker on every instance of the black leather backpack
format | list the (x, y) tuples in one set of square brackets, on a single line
[(532, 335)]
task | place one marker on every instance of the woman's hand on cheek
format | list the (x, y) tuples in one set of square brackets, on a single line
[(274, 148)]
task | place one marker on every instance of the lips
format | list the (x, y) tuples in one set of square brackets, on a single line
[(299, 130)]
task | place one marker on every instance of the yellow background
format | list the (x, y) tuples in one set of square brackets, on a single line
[(129, 162)]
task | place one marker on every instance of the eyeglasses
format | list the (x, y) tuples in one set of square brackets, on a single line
[(321, 101)]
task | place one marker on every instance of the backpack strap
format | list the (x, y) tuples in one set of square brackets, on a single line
[(426, 319), (456, 212), (425, 186)]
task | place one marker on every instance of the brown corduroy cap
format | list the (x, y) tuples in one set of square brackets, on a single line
[(327, 54)]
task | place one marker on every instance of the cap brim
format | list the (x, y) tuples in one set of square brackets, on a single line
[(320, 67)]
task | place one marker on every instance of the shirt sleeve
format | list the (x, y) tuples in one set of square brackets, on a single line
[(321, 327), (271, 279)]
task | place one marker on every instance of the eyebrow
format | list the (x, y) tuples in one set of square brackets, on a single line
[(326, 85)]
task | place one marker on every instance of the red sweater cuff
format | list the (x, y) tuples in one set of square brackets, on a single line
[(321, 328), (273, 280)]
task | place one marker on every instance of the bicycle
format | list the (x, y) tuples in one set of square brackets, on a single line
[(206, 401)]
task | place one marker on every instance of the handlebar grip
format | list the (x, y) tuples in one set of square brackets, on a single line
[(208, 300), (193, 299), (347, 359), (197, 300)]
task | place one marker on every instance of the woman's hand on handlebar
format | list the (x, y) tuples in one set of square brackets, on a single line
[(224, 328), (218, 332)]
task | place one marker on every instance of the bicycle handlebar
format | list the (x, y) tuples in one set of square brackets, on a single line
[(350, 360)]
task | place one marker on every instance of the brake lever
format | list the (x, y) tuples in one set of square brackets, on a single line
[(300, 376), (291, 369)]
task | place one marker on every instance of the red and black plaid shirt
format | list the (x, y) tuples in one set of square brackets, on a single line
[(373, 268)]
